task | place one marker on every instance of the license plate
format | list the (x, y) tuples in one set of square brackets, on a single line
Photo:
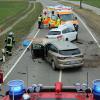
[(73, 62)]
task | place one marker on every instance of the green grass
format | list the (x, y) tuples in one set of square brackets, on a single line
[(23, 28), (95, 3), (9, 9)]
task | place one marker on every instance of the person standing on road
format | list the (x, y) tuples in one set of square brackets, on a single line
[(39, 21), (58, 21), (10, 41)]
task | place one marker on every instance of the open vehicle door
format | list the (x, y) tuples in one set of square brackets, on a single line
[(38, 47), (37, 51)]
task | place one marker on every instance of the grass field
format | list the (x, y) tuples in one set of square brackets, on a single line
[(95, 3), (23, 28), (9, 9)]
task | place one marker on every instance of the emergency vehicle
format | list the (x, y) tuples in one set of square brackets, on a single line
[(65, 31), (65, 13), (68, 16), (17, 91)]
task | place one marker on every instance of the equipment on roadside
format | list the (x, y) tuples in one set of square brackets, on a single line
[(3, 55)]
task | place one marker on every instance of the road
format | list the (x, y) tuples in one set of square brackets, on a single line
[(41, 72)]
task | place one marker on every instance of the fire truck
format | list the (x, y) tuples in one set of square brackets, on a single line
[(17, 91)]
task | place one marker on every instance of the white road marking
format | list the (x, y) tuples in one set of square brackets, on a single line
[(20, 57), (60, 75), (88, 30)]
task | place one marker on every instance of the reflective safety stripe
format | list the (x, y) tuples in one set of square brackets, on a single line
[(39, 18), (9, 41), (58, 22)]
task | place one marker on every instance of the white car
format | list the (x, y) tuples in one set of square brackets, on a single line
[(65, 31)]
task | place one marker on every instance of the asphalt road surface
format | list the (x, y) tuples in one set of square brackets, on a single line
[(38, 71)]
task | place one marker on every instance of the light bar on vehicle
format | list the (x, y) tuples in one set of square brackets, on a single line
[(96, 86), (96, 89), (16, 87)]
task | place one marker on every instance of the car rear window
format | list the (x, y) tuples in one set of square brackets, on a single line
[(54, 33), (69, 52)]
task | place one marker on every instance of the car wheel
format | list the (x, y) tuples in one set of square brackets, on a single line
[(53, 65), (76, 37), (32, 55), (66, 39), (49, 26)]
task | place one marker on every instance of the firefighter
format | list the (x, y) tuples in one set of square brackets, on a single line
[(40, 21), (10, 41)]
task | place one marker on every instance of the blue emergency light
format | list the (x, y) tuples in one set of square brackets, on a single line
[(96, 89), (16, 87)]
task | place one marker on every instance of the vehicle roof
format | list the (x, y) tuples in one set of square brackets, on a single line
[(64, 45), (64, 26), (42, 41), (60, 44), (64, 12)]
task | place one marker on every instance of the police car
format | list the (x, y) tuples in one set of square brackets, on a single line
[(65, 31)]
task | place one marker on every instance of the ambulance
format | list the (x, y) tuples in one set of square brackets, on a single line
[(65, 13), (68, 16), (49, 20)]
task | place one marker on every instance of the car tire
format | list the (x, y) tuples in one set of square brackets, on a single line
[(32, 55), (49, 26), (66, 39), (53, 65), (76, 37)]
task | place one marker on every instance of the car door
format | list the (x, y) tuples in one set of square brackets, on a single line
[(37, 51), (52, 51), (69, 34)]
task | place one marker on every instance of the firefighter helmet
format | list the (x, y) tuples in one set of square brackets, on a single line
[(11, 33)]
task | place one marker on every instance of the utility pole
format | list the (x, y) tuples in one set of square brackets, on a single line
[(81, 4), (27, 74)]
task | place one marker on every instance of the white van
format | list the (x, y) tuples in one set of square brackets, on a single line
[(65, 31)]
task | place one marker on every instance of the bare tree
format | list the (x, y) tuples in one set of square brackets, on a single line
[(81, 3)]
